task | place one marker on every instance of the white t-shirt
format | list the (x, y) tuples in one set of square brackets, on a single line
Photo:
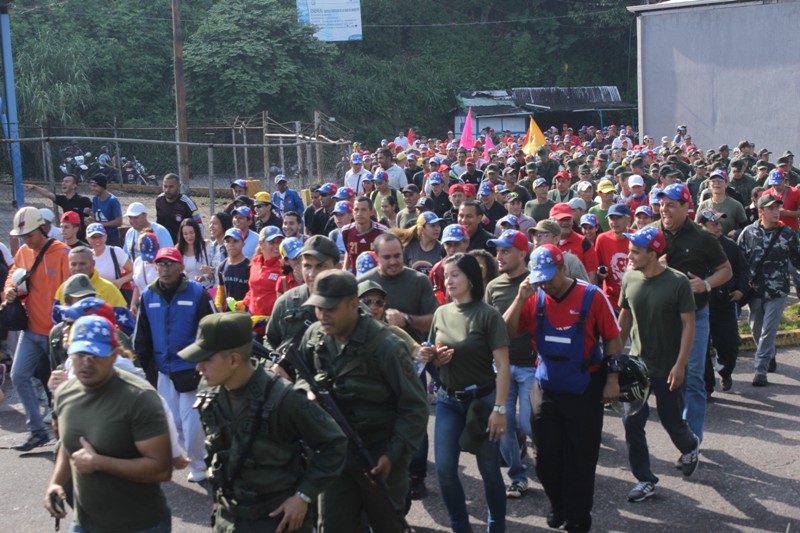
[(143, 274), (105, 265)]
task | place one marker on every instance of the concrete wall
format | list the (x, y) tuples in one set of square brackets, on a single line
[(728, 72)]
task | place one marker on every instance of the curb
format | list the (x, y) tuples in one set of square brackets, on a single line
[(784, 338)]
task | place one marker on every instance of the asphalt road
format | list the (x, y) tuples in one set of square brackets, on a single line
[(747, 479)]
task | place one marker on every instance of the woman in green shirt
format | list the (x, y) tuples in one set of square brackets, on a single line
[(467, 337)]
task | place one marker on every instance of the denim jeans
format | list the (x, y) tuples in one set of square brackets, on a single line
[(32, 351), (451, 416), (165, 526), (669, 405), (765, 315), (695, 410), (522, 378)]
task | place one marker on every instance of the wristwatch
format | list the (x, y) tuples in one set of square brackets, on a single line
[(708, 285), (499, 409), (304, 497)]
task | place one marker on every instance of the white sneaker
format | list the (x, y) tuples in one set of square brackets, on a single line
[(197, 476)]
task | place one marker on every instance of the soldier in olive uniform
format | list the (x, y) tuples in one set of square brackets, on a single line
[(270, 450), (371, 376)]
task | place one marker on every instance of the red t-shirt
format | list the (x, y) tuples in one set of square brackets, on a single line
[(791, 202), (436, 275), (613, 253), (582, 249), (562, 314), (355, 243)]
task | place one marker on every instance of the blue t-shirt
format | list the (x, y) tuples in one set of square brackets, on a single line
[(106, 211)]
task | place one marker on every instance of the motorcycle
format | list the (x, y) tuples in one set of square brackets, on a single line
[(133, 172), (76, 166)]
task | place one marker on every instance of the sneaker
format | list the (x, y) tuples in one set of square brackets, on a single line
[(417, 489), (641, 491), (773, 365), (34, 441), (196, 476), (727, 382), (760, 380), (517, 489), (690, 460)]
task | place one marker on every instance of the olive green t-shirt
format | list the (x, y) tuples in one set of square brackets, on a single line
[(500, 294), (735, 218), (538, 211), (602, 217), (474, 330), (656, 304), (113, 418)]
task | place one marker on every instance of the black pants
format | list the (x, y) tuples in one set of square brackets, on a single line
[(725, 339), (566, 431)]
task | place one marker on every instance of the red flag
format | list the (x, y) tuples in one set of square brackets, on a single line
[(410, 136), (488, 145), (466, 133)]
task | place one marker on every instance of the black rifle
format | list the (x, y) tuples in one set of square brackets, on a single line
[(327, 401)]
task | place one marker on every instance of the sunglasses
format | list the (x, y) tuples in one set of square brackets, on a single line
[(376, 301)]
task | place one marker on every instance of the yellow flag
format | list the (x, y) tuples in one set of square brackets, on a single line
[(533, 139)]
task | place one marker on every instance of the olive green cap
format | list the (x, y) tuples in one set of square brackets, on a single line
[(548, 226), (219, 332), (78, 285), (331, 287)]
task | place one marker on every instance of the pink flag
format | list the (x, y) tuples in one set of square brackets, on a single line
[(466, 133), (488, 145)]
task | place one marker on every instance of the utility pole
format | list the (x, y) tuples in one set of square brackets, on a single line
[(180, 93)]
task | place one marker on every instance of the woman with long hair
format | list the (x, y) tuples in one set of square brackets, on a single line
[(390, 209), (488, 264), (193, 248), (292, 270), (421, 246), (265, 269), (111, 262), (467, 341)]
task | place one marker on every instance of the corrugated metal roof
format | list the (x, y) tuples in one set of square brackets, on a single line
[(569, 98), (489, 102), (674, 4)]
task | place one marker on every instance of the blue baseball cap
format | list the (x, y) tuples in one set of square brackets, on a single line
[(648, 237), (501, 189), (676, 191), (381, 176), (270, 233), (94, 335), (356, 159), (775, 178), (719, 173), (239, 183), (328, 188), (290, 248), (486, 188), (95, 229), (644, 209), (243, 211), (544, 263), (590, 220), (654, 198), (365, 262), (344, 193), (428, 217), (619, 210), (368, 176), (435, 178), (435, 161), (343, 207), (509, 219), (233, 233), (454, 233), (540, 182), (511, 238)]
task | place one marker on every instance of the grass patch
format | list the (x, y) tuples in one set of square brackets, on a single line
[(789, 321)]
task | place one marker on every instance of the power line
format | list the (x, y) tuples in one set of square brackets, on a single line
[(488, 22)]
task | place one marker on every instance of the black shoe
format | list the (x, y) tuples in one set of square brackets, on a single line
[(34, 441), (760, 380), (727, 382), (555, 519), (773, 365), (577, 527), (417, 489)]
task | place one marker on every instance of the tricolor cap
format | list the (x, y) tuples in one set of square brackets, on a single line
[(644, 209), (243, 211), (233, 233), (589, 220), (380, 176), (239, 183), (95, 229), (290, 248), (486, 188), (342, 207), (511, 220), (270, 233), (719, 174), (365, 262), (428, 217), (328, 188), (94, 335), (356, 159), (454, 233), (436, 178), (654, 198), (648, 237), (775, 177), (148, 246), (511, 238), (344, 193), (676, 191), (544, 263)]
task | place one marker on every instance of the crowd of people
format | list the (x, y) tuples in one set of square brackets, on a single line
[(497, 284)]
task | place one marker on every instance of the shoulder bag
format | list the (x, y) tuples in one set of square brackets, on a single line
[(14, 317)]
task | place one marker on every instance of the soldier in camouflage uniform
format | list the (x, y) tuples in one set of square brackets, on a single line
[(270, 451), (769, 247), (370, 374)]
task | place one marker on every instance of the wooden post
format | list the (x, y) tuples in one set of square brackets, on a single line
[(235, 159), (119, 155), (211, 180), (45, 173), (317, 133), (265, 150), (299, 153), (309, 162), (282, 155), (180, 93), (244, 146)]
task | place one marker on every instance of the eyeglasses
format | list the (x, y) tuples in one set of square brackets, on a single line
[(376, 302), (166, 264)]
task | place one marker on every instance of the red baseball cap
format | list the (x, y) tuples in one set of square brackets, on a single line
[(470, 161), (71, 217), (561, 211), (443, 169), (169, 254), (456, 187), (563, 175), (470, 190)]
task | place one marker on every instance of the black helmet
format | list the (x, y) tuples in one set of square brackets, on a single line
[(634, 383)]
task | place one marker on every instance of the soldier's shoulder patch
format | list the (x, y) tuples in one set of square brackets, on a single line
[(408, 367)]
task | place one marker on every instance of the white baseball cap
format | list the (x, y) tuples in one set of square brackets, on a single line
[(47, 214), (135, 209), (635, 180)]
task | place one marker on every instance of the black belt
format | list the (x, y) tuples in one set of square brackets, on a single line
[(471, 394)]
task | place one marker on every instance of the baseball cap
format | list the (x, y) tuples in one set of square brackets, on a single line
[(561, 211), (365, 262), (492, 168), (470, 161), (263, 197), (331, 287), (345, 193), (644, 209), (135, 209), (648, 237), (470, 190), (71, 217), (676, 191), (218, 332), (290, 248), (94, 335), (367, 286), (328, 188), (540, 182), (270, 233), (635, 180), (577, 203), (454, 233), (95, 229), (78, 285), (170, 254), (618, 210), (436, 178), (148, 246), (244, 199), (512, 220), (562, 175), (584, 186), (380, 175), (243, 211), (547, 226), (486, 188), (457, 188), (544, 263), (239, 183), (356, 159), (530, 166), (775, 177), (589, 220), (428, 217), (768, 200), (411, 188), (605, 186), (763, 151), (501, 189), (322, 248), (719, 174), (709, 215), (451, 146), (512, 197), (233, 233), (342, 207), (280, 177), (511, 238), (47, 214)]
